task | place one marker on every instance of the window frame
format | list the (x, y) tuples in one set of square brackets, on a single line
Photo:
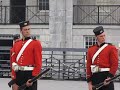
[(89, 40)]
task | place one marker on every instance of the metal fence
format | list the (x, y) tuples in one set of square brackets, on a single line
[(82, 14), (65, 63), (96, 14), (15, 14)]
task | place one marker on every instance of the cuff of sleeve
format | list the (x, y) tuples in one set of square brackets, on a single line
[(89, 79), (110, 75)]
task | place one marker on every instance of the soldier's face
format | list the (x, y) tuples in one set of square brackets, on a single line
[(25, 31), (101, 38)]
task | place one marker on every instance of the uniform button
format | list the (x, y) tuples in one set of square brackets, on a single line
[(23, 43)]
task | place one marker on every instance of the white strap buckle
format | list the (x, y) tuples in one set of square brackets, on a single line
[(94, 68)]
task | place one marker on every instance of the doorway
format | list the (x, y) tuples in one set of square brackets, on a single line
[(17, 11)]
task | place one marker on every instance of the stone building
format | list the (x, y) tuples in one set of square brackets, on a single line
[(62, 23)]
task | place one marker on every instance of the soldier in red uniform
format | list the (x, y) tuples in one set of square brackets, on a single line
[(102, 61), (16, 38), (26, 59)]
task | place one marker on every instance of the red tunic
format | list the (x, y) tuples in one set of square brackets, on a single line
[(107, 58), (32, 55), (12, 72)]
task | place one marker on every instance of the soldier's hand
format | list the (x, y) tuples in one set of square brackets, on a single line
[(90, 85), (28, 83), (11, 75), (106, 81), (15, 87)]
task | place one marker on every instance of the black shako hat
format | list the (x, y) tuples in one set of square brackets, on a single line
[(98, 30), (23, 24), (16, 36)]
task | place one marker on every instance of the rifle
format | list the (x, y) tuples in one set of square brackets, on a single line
[(22, 87), (33, 79), (11, 83), (98, 86)]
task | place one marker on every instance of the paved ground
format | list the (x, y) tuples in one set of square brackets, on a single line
[(55, 85)]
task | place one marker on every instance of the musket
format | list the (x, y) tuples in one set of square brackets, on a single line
[(33, 79), (98, 86), (11, 83), (22, 87)]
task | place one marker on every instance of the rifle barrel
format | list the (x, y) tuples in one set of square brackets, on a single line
[(96, 87), (33, 79)]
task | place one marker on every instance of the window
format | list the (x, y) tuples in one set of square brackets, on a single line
[(89, 41), (43, 4)]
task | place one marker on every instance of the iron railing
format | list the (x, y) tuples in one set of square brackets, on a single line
[(82, 14), (15, 14), (96, 14), (65, 63)]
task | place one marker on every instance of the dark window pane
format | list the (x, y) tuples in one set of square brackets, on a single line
[(40, 1), (86, 43), (43, 4), (47, 6), (40, 6), (89, 41)]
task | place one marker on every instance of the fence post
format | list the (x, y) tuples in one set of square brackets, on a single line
[(64, 57), (1, 11), (98, 15)]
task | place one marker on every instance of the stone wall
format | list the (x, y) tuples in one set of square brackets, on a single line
[(77, 35)]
